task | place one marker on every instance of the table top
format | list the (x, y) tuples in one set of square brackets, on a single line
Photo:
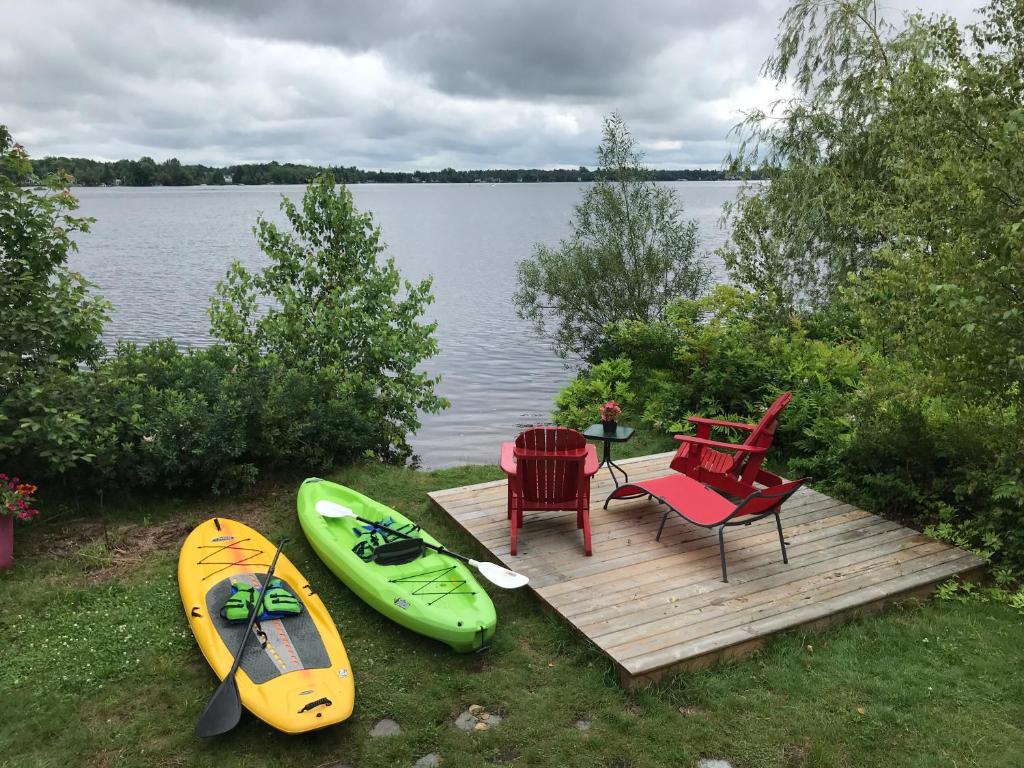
[(620, 435)]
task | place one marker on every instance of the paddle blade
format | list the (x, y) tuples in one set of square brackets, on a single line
[(328, 508), (500, 575), (222, 712)]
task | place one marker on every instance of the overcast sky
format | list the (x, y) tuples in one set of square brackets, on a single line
[(421, 84)]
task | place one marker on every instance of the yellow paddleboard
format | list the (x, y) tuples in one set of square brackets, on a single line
[(294, 673)]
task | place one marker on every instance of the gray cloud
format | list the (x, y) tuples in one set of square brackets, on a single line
[(391, 85)]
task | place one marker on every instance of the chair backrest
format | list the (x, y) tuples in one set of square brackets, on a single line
[(550, 463), (747, 465), (768, 499), (764, 432)]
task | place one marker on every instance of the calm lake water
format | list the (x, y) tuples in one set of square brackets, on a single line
[(157, 253)]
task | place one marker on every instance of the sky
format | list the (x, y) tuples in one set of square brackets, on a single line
[(402, 85)]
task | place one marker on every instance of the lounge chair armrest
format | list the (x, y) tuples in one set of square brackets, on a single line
[(721, 423), (508, 458), (721, 446), (590, 466)]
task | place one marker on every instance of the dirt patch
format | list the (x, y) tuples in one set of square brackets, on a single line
[(127, 548), (504, 756), (66, 541), (109, 551), (796, 755)]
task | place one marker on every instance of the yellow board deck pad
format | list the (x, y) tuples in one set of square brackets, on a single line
[(294, 673)]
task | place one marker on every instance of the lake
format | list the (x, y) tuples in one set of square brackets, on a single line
[(157, 253)]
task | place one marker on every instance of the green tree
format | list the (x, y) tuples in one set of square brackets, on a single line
[(629, 255), (51, 324), (897, 202), (328, 325)]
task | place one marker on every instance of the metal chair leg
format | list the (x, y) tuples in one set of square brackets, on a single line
[(721, 552), (782, 541), (664, 519)]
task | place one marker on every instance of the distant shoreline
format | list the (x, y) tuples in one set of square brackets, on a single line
[(145, 172)]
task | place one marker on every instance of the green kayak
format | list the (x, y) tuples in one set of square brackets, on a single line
[(433, 594)]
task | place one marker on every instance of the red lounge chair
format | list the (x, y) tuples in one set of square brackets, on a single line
[(701, 505), (549, 468), (730, 467)]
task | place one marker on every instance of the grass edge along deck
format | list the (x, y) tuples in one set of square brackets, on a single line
[(658, 607)]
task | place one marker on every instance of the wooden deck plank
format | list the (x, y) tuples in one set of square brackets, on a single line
[(656, 606), (655, 629)]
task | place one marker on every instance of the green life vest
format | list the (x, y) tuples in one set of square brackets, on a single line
[(279, 603)]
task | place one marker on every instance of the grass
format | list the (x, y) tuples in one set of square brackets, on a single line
[(98, 668)]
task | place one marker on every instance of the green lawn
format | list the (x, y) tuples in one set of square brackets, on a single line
[(99, 669)]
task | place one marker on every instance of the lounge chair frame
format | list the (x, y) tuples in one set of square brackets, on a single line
[(759, 504)]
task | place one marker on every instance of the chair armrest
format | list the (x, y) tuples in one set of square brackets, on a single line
[(590, 466), (721, 423), (721, 446), (508, 458)]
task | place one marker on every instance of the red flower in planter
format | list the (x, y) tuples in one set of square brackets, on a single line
[(610, 411)]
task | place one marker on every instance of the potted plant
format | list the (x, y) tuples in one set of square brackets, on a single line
[(15, 502), (610, 413)]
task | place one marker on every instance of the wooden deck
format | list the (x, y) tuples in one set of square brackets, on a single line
[(659, 606)]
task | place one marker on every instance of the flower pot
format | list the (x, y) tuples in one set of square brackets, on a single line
[(6, 541), (610, 427)]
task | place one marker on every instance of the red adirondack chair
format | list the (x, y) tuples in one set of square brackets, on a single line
[(701, 505), (549, 468), (730, 467)]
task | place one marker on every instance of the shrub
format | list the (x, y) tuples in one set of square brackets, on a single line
[(629, 255), (328, 326), (578, 405)]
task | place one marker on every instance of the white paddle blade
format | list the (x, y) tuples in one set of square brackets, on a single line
[(500, 576), (328, 508)]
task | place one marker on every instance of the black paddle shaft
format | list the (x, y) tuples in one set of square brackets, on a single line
[(435, 547), (256, 610), (224, 709)]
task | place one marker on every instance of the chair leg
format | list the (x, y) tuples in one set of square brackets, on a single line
[(514, 516), (721, 552), (587, 549), (782, 540), (664, 518)]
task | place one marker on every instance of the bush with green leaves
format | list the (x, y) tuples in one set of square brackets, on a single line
[(578, 405), (336, 331), (629, 255), (712, 357), (51, 322)]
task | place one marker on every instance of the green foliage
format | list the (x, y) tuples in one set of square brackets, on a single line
[(51, 323), (713, 357), (629, 255), (326, 325), (577, 405)]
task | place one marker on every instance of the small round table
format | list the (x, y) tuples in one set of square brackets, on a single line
[(620, 435)]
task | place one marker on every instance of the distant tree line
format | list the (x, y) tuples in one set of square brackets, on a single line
[(146, 172)]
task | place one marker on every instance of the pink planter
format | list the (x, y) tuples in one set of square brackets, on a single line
[(6, 541)]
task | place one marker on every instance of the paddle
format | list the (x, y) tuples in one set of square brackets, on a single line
[(224, 709), (493, 572)]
